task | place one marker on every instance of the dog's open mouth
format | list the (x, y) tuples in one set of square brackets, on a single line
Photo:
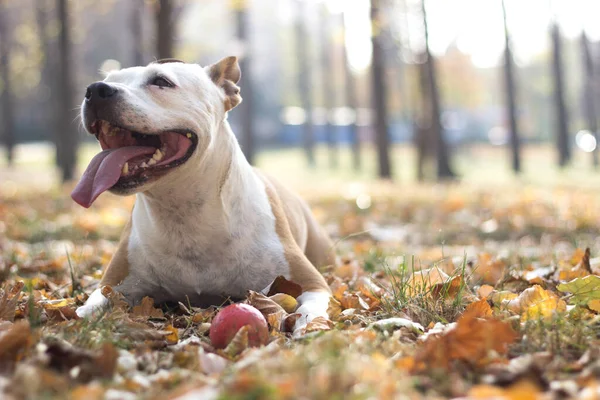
[(129, 159)]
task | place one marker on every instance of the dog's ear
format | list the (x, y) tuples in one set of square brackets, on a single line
[(225, 74)]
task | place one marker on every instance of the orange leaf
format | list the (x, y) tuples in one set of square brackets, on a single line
[(480, 309), (318, 324), (146, 309), (173, 336), (470, 341)]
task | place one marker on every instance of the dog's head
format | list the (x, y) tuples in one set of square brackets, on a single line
[(151, 121)]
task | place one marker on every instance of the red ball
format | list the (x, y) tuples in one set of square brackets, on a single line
[(230, 319)]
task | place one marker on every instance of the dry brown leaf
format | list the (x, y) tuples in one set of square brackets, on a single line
[(582, 268), (448, 289), (480, 309), (146, 309), (282, 285), (423, 281), (484, 291), (489, 270), (470, 341), (238, 344), (12, 342), (369, 289), (8, 301), (318, 324), (338, 288), (351, 300), (271, 310), (334, 309)]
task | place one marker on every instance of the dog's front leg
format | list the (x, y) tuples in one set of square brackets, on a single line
[(116, 271)]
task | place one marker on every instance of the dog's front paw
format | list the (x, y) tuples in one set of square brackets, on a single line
[(312, 305), (95, 304)]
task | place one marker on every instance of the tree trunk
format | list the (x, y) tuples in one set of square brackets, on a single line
[(137, 36), (444, 170), (351, 103), (6, 100), (328, 87), (590, 84), (66, 149), (48, 108), (164, 28), (246, 107), (379, 99), (562, 126), (510, 93), (304, 83)]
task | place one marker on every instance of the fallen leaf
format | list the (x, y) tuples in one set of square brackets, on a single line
[(594, 305), (535, 302), (582, 267), (173, 336), (12, 342), (271, 310), (282, 285), (146, 309), (287, 302), (480, 309), (238, 344), (471, 340), (318, 324), (583, 289), (338, 288), (8, 301), (334, 309), (392, 324), (351, 300), (484, 291), (489, 270), (422, 282)]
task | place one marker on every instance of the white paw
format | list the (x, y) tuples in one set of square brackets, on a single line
[(312, 305), (96, 303)]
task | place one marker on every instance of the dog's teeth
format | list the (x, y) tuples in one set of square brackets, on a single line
[(189, 135), (151, 162), (158, 155), (144, 165), (105, 127), (125, 169)]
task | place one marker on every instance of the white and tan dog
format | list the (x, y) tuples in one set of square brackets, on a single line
[(205, 226)]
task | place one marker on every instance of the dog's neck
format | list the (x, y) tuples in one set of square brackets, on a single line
[(218, 184)]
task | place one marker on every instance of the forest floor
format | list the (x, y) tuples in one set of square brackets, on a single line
[(439, 291)]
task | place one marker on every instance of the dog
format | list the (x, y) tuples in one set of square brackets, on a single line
[(206, 226)]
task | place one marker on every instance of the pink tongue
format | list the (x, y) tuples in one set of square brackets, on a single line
[(104, 171)]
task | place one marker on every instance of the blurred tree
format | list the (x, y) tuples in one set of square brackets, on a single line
[(590, 85), (164, 28), (48, 82), (328, 86), (67, 137), (136, 26), (350, 95), (432, 96), (247, 106), (510, 92), (6, 94), (304, 80), (562, 125), (382, 139)]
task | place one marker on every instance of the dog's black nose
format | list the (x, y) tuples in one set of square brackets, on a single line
[(99, 91)]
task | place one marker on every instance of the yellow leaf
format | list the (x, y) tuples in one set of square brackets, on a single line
[(423, 281), (594, 305), (173, 336), (287, 302), (535, 302), (480, 309)]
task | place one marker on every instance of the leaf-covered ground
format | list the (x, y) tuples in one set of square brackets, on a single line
[(438, 292)]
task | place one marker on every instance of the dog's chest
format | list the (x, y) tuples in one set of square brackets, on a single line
[(194, 259)]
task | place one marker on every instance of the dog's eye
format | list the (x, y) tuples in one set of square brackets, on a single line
[(161, 82)]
